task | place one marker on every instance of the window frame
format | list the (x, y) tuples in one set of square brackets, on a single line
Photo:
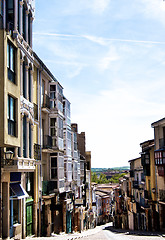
[(11, 116), (54, 168), (11, 53)]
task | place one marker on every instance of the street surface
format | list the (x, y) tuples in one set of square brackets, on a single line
[(106, 232)]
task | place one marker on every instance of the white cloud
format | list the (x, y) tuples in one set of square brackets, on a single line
[(117, 120), (110, 57), (99, 6), (154, 9)]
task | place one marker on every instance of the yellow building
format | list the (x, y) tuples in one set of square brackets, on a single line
[(159, 155), (19, 161), (148, 163)]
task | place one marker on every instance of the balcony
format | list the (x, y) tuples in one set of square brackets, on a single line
[(145, 159), (161, 143), (46, 103), (49, 187), (131, 173), (161, 171), (135, 184), (47, 142), (162, 195), (37, 151), (147, 195), (35, 111), (144, 203), (159, 157), (146, 170), (17, 164)]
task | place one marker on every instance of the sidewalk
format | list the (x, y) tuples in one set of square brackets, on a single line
[(136, 232), (72, 236)]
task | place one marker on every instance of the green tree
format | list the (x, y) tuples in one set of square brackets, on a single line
[(102, 178), (94, 177)]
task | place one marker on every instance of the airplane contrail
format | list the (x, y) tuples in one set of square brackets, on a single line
[(96, 39)]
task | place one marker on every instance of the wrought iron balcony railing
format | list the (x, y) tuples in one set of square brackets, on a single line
[(46, 101), (49, 187), (162, 195), (135, 184), (47, 142), (37, 151), (35, 111)]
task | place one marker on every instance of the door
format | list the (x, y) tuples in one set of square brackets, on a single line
[(68, 222), (29, 219), (11, 219)]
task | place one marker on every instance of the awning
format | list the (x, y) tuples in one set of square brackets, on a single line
[(17, 191)]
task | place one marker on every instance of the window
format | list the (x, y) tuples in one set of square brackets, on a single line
[(1, 8), (42, 92), (14, 212), (24, 80), (30, 85), (29, 29), (18, 20), (60, 128), (24, 22), (52, 96), (53, 167), (11, 62), (30, 141), (30, 184), (11, 116), (53, 131), (24, 136), (10, 14)]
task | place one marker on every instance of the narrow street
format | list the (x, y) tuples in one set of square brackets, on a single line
[(105, 232)]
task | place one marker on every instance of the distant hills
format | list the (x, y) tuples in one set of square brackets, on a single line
[(110, 169)]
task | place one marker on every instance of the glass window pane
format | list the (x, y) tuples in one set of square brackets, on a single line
[(12, 58), (10, 4), (8, 55), (52, 122), (8, 111), (11, 109), (53, 173), (53, 142), (52, 88), (52, 95), (54, 162), (53, 132)]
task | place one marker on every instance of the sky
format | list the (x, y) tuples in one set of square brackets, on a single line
[(109, 55)]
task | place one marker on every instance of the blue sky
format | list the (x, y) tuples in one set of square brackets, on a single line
[(109, 55)]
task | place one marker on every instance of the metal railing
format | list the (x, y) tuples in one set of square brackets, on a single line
[(49, 187), (47, 142), (37, 151), (46, 101), (35, 111)]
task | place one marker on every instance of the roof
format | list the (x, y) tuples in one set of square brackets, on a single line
[(159, 122), (134, 159), (45, 68), (102, 194), (147, 145)]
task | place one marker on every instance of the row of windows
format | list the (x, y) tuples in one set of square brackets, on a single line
[(26, 20), (26, 78), (11, 116)]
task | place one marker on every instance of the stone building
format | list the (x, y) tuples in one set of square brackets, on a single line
[(19, 171)]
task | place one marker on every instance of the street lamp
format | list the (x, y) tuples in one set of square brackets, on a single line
[(8, 157)]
